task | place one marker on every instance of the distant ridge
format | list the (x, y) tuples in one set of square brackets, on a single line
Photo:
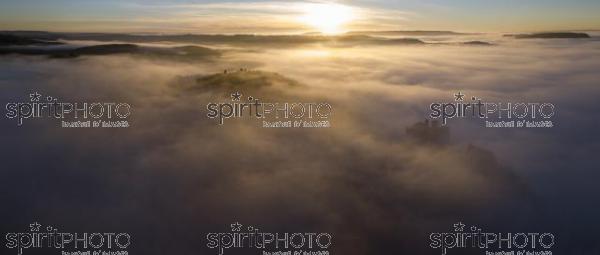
[(410, 32), (549, 35), (122, 43), (183, 53), (9, 39), (239, 39)]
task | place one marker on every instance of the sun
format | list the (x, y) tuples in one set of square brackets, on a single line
[(327, 18)]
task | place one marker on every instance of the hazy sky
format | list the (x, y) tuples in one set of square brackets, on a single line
[(255, 16)]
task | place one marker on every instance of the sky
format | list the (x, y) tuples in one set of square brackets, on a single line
[(255, 16)]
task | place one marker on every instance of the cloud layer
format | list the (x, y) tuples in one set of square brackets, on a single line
[(176, 175)]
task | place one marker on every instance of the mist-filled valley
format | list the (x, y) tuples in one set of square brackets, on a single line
[(380, 178)]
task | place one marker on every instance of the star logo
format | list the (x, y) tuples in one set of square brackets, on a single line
[(236, 96), (34, 227), (35, 97), (459, 96), (236, 227), (458, 227)]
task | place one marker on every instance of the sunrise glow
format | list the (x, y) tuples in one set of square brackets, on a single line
[(327, 18)]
